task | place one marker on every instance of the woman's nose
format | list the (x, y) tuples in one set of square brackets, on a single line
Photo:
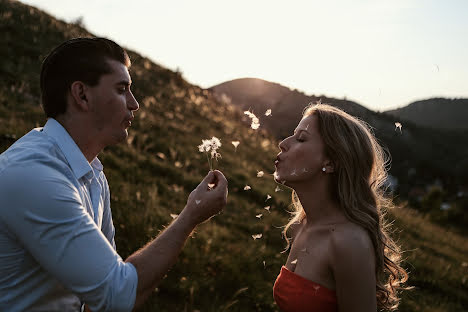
[(282, 145)]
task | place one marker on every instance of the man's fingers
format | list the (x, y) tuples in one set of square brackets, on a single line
[(220, 178), (208, 179)]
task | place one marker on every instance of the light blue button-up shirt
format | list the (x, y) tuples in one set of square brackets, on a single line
[(57, 246)]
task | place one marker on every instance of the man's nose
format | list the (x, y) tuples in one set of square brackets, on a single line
[(132, 103)]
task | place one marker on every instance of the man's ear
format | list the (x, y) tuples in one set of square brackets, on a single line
[(78, 91)]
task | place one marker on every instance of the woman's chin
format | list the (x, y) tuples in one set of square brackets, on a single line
[(278, 178)]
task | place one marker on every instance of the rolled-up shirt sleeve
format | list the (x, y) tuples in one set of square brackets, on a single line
[(44, 211)]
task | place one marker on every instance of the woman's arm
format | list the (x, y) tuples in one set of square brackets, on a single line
[(353, 264)]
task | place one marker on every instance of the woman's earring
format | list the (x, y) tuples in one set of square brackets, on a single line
[(323, 169)]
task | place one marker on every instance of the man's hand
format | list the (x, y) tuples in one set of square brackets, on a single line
[(207, 199)]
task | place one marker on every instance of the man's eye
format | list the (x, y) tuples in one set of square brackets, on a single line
[(300, 140)]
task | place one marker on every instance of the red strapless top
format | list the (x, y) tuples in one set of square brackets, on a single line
[(294, 293)]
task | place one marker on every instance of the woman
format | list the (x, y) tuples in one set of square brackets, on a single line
[(341, 257)]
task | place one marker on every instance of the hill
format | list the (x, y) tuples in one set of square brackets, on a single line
[(221, 268), (437, 113), (421, 155)]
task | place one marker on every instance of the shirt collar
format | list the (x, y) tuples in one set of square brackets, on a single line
[(77, 161)]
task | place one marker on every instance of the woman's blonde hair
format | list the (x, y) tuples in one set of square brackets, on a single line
[(358, 185)]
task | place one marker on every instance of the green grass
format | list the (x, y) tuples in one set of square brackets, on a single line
[(221, 267)]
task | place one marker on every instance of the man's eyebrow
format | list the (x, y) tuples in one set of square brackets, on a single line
[(124, 82)]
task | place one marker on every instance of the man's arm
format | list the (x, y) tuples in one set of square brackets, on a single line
[(154, 260)]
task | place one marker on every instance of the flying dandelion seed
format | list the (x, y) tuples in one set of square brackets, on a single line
[(398, 126), (236, 144), (278, 189), (173, 215), (259, 216), (304, 250), (197, 201), (268, 112), (304, 170), (257, 236), (210, 146), (260, 174), (307, 127), (161, 155), (267, 208), (294, 261), (246, 188), (264, 264), (211, 185), (293, 173), (268, 197), (255, 122), (283, 181)]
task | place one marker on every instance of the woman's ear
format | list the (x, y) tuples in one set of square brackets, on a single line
[(329, 166), (78, 91)]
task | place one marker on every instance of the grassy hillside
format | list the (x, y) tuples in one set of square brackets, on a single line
[(221, 268)]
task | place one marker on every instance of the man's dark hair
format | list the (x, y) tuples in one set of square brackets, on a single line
[(79, 59)]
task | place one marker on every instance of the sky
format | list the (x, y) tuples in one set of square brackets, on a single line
[(383, 54)]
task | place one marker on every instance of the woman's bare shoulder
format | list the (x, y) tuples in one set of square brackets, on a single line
[(350, 239)]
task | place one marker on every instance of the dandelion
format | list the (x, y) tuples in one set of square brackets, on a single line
[(246, 188), (256, 236), (398, 126), (255, 122), (260, 174), (210, 146), (268, 112), (235, 143)]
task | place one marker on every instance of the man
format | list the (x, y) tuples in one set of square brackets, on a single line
[(57, 249)]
